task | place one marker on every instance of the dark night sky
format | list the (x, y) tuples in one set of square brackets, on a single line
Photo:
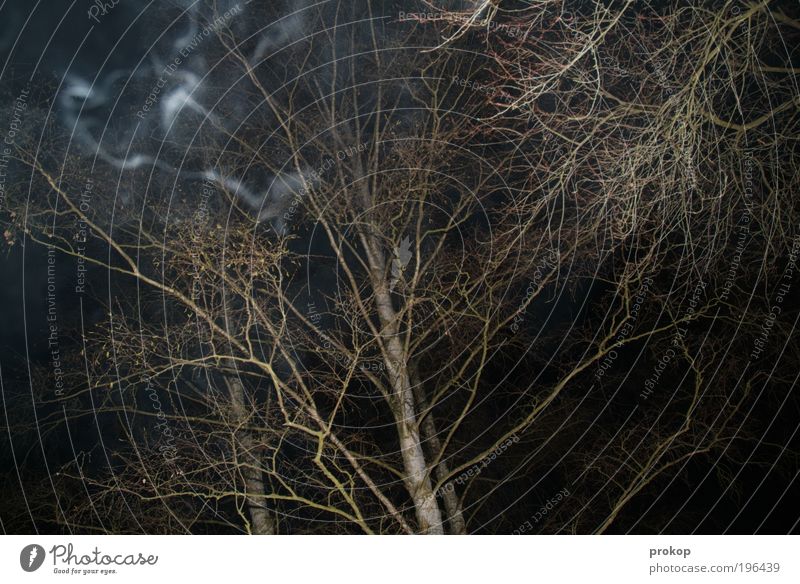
[(59, 44)]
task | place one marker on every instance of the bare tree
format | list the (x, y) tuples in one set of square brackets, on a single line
[(349, 309)]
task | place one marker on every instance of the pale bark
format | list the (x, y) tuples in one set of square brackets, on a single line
[(261, 523), (430, 436), (245, 446), (417, 474)]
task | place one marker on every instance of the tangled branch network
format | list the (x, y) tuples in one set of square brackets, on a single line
[(400, 266)]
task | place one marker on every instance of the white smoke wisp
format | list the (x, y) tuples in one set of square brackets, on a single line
[(284, 192), (173, 111), (192, 11), (283, 31), (80, 101), (293, 29), (79, 98), (183, 96)]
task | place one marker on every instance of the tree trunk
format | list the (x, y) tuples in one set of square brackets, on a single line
[(431, 437), (261, 522), (417, 479), (417, 474)]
